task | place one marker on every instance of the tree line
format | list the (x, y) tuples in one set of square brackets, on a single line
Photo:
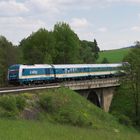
[(59, 46), (126, 103)]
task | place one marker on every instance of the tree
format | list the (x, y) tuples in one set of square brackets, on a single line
[(8, 56), (67, 44), (89, 51), (133, 79), (105, 61), (38, 48), (86, 54)]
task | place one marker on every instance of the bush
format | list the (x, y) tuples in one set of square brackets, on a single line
[(64, 108), (72, 116), (11, 105), (52, 101), (46, 103), (8, 103), (123, 119), (20, 102)]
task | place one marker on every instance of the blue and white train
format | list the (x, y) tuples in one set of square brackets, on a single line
[(44, 73)]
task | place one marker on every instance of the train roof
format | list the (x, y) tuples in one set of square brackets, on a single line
[(86, 65), (32, 66), (37, 66), (67, 65)]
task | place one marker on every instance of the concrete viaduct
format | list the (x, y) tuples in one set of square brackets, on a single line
[(98, 91)]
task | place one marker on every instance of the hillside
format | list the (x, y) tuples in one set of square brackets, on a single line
[(113, 56), (58, 114)]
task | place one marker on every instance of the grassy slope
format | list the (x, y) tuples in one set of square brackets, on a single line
[(113, 56), (104, 126)]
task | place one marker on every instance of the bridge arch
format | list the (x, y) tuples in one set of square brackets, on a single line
[(93, 97)]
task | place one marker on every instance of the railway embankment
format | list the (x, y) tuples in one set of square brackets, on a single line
[(61, 107)]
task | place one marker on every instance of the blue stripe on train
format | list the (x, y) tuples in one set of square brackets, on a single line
[(36, 79)]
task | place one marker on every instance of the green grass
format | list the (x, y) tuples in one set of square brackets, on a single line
[(35, 130), (113, 56), (71, 110)]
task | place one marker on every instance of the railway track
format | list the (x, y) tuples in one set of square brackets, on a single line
[(7, 90), (70, 84)]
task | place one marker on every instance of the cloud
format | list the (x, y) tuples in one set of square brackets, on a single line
[(20, 22), (135, 28), (103, 29), (126, 1), (17, 28), (79, 23), (48, 6), (12, 8)]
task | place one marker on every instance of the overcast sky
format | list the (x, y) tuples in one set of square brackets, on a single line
[(113, 23)]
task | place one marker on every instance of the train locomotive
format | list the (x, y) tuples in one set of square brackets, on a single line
[(45, 73)]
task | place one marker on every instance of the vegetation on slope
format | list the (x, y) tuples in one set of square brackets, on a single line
[(49, 109), (43, 130), (61, 106)]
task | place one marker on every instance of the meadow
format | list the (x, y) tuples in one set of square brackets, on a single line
[(113, 56), (36, 130)]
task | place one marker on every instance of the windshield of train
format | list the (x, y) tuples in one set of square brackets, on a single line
[(13, 72)]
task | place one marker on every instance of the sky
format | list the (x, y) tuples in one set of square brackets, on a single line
[(113, 23)]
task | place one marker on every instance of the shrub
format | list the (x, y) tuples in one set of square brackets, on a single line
[(20, 102), (52, 102), (8, 103), (46, 102), (123, 119)]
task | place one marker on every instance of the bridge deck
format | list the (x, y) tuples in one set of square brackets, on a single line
[(74, 85)]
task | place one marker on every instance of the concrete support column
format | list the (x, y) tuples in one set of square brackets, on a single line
[(107, 95)]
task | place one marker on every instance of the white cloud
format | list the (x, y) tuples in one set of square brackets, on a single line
[(41, 6), (135, 28), (79, 23), (18, 27), (20, 22), (12, 8), (103, 29), (126, 1)]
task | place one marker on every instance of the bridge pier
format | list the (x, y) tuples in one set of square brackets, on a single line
[(101, 97), (107, 96)]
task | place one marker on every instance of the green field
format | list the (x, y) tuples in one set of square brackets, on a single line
[(35, 130), (113, 56)]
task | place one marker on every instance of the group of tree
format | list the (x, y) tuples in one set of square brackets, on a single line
[(59, 46), (127, 99), (8, 56)]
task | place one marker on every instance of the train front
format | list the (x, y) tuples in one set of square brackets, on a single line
[(13, 74)]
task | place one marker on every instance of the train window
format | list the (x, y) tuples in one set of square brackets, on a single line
[(23, 70), (65, 71), (68, 70), (47, 71)]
